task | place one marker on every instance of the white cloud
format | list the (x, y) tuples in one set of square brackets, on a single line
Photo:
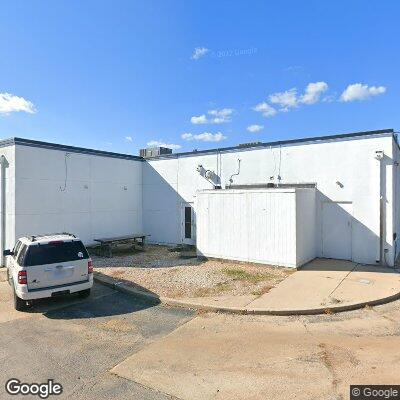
[(187, 136), (358, 91), (285, 100), (265, 109), (204, 137), (255, 128), (313, 92), (129, 139), (159, 143), (10, 103), (201, 119), (199, 52), (290, 99), (217, 117)]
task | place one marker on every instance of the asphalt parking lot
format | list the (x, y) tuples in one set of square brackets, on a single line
[(117, 346), (76, 342)]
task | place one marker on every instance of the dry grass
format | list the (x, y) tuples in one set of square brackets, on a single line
[(240, 274)]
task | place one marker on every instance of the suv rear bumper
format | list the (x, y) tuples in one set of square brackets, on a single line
[(23, 294)]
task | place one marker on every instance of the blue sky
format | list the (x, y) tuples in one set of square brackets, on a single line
[(117, 75)]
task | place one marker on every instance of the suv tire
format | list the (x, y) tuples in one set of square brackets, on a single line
[(19, 304), (84, 293)]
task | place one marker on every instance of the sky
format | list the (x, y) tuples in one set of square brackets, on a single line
[(123, 75)]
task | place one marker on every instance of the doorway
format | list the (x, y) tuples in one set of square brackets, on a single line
[(337, 230), (188, 224)]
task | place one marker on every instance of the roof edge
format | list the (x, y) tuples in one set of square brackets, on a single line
[(67, 148), (275, 143), (103, 153)]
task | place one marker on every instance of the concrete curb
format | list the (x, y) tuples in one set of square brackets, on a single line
[(124, 288)]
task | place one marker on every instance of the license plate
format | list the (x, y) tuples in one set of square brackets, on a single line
[(60, 293)]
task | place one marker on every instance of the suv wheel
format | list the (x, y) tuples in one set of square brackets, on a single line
[(19, 304), (84, 293)]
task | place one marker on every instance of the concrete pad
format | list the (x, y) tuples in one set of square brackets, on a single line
[(203, 360), (299, 291), (219, 301), (329, 284), (329, 267), (241, 357), (353, 290)]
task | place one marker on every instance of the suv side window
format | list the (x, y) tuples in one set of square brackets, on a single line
[(21, 254), (16, 248)]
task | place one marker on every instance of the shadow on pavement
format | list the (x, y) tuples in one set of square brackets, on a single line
[(330, 264), (102, 302)]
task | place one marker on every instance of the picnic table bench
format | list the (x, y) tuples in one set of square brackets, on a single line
[(107, 244)]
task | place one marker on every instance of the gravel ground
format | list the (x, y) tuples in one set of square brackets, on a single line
[(161, 271)]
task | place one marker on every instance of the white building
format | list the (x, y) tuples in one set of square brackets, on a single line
[(355, 177)]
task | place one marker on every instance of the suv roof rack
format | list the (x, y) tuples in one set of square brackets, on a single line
[(33, 238)]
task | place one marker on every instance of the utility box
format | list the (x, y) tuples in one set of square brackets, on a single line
[(154, 152), (267, 226)]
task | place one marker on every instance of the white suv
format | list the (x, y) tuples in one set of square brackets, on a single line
[(48, 266)]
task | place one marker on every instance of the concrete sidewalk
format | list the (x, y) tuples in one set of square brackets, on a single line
[(321, 286), (225, 357), (330, 285)]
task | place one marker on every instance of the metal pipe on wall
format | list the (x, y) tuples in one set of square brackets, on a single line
[(3, 164), (379, 155)]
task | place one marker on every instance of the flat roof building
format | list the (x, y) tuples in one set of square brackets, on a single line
[(355, 179)]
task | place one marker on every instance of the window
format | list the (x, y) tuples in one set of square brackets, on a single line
[(188, 222), (55, 252), (16, 248), (21, 255)]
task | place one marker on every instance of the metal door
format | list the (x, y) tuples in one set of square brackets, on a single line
[(337, 230)]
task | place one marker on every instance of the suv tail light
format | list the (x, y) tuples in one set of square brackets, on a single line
[(22, 278), (90, 267)]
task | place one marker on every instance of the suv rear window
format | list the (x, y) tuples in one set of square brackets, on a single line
[(55, 252)]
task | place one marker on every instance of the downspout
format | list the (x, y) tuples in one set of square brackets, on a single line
[(379, 156), (3, 164)]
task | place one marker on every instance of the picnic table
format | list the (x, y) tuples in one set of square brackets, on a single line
[(107, 244)]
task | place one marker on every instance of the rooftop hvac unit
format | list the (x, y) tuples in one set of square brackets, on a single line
[(154, 152)]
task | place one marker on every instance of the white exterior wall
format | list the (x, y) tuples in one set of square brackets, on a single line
[(396, 200), (351, 162), (102, 196), (166, 185), (247, 225), (96, 204), (262, 225), (306, 226), (9, 198)]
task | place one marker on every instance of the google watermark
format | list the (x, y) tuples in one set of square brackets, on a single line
[(43, 390), (374, 392), (234, 52)]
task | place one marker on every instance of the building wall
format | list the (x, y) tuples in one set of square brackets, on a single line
[(306, 226), (396, 195), (343, 169), (248, 225), (88, 195), (9, 198)]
